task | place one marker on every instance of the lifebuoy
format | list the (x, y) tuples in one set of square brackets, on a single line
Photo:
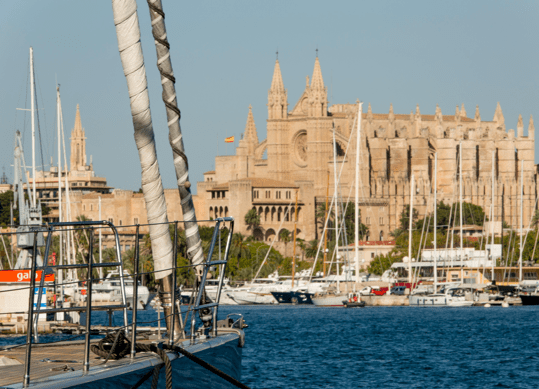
[(355, 298)]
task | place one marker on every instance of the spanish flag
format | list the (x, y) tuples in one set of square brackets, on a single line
[(230, 139)]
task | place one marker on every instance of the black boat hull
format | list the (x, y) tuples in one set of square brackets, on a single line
[(293, 298), (354, 304), (529, 299)]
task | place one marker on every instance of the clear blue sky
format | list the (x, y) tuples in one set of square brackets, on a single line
[(223, 53)]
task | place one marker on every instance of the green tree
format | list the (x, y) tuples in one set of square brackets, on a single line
[(285, 236), (6, 199), (252, 219), (535, 219), (404, 220), (239, 247), (312, 248)]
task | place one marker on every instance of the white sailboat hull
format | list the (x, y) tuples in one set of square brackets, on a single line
[(248, 298), (438, 301)]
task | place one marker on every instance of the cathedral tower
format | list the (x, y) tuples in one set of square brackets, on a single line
[(78, 145), (277, 141), (318, 93), (277, 96)]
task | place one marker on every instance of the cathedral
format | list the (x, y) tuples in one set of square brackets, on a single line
[(307, 144)]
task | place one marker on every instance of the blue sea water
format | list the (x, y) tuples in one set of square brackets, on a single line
[(393, 347)]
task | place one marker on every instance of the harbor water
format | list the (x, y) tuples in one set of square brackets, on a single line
[(385, 347), (391, 347)]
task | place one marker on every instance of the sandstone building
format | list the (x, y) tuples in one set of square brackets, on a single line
[(80, 175), (297, 155)]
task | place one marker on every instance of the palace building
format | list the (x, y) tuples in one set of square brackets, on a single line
[(298, 157)]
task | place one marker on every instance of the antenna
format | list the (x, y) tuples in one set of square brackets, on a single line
[(277, 54), (316, 51)]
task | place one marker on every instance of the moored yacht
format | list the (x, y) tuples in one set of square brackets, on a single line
[(109, 291), (448, 296)]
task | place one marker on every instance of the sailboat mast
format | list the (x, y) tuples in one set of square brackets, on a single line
[(492, 220), (32, 114), (335, 193), (60, 271), (435, 221), (294, 246), (460, 202), (410, 232), (356, 216), (521, 215), (326, 230)]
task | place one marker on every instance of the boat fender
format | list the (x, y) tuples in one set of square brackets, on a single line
[(355, 299)]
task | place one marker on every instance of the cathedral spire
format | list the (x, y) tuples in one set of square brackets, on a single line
[(250, 128), (531, 129), (318, 94), (277, 96), (391, 115), (317, 81), (277, 82), (463, 111), (520, 127), (498, 117), (78, 144), (78, 124), (477, 115)]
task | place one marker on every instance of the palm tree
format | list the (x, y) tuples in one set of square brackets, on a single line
[(312, 249), (240, 247), (252, 219), (284, 236)]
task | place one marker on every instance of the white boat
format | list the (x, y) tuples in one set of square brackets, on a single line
[(109, 291), (448, 296), (329, 298), (259, 291), (212, 287)]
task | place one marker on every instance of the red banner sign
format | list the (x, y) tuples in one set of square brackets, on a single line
[(22, 276)]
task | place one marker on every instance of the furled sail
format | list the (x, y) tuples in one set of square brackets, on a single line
[(129, 46), (194, 243)]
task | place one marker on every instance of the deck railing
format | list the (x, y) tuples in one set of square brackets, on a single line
[(198, 304)]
